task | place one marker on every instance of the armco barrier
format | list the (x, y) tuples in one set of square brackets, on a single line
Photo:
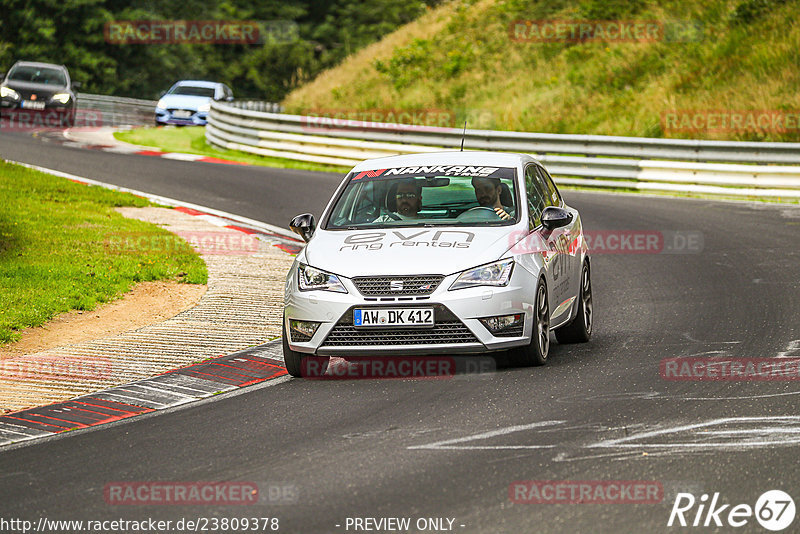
[(119, 111), (589, 160)]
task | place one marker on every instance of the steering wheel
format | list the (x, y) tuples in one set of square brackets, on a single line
[(478, 214)]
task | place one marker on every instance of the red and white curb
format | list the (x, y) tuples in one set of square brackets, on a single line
[(173, 388), (103, 139)]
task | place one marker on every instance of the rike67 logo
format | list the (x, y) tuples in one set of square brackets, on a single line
[(774, 510)]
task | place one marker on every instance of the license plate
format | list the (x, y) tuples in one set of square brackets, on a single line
[(181, 114), (30, 104), (393, 317)]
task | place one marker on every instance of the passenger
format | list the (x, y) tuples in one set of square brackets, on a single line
[(487, 192)]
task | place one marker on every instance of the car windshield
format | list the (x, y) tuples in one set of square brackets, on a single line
[(449, 195), (43, 75), (191, 90)]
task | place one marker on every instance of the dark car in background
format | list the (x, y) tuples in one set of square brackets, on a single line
[(189, 101), (42, 88)]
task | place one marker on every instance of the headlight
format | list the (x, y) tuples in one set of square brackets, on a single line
[(8, 92), (61, 97), (204, 108), (161, 104), (492, 274), (310, 278)]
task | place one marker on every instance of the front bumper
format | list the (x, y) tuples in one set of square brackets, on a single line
[(10, 104), (457, 315), (167, 116)]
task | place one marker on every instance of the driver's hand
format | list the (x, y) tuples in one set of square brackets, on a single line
[(502, 214)]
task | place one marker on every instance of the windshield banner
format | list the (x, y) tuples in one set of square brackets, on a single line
[(438, 170)]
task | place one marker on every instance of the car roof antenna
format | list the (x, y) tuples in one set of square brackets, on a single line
[(462, 136)]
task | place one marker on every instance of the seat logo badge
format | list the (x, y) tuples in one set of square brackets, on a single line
[(396, 285)]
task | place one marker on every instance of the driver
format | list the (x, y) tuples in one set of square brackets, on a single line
[(487, 192), (409, 201)]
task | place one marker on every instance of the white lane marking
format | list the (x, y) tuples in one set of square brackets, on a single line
[(697, 439), (164, 200), (690, 338), (791, 348), (450, 443), (744, 397)]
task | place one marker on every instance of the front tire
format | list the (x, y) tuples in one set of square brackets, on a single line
[(580, 329), (536, 352), (298, 364)]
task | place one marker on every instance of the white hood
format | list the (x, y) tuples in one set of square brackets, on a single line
[(398, 251)]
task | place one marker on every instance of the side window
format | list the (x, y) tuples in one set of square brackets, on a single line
[(536, 196), (553, 198)]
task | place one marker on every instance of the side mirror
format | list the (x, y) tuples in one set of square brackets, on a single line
[(229, 99), (161, 94), (553, 217), (303, 225), (77, 85)]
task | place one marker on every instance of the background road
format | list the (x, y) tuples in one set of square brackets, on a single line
[(353, 448)]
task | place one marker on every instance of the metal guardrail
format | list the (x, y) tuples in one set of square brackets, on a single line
[(587, 160), (118, 111), (257, 105)]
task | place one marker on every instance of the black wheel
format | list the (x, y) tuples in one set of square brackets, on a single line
[(580, 329), (535, 353), (299, 364)]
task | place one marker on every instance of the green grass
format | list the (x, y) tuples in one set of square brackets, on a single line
[(191, 140), (58, 249), (461, 58)]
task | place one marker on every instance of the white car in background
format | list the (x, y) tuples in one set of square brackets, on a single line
[(188, 102), (448, 252)]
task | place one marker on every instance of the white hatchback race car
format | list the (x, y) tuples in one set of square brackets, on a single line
[(447, 252)]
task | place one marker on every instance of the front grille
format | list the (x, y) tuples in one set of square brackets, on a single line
[(372, 286), (299, 337), (447, 332), (512, 331), (448, 329)]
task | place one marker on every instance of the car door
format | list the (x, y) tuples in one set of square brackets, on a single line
[(566, 240), (542, 242), (542, 193)]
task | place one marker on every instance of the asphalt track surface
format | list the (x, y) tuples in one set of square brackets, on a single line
[(419, 448)]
